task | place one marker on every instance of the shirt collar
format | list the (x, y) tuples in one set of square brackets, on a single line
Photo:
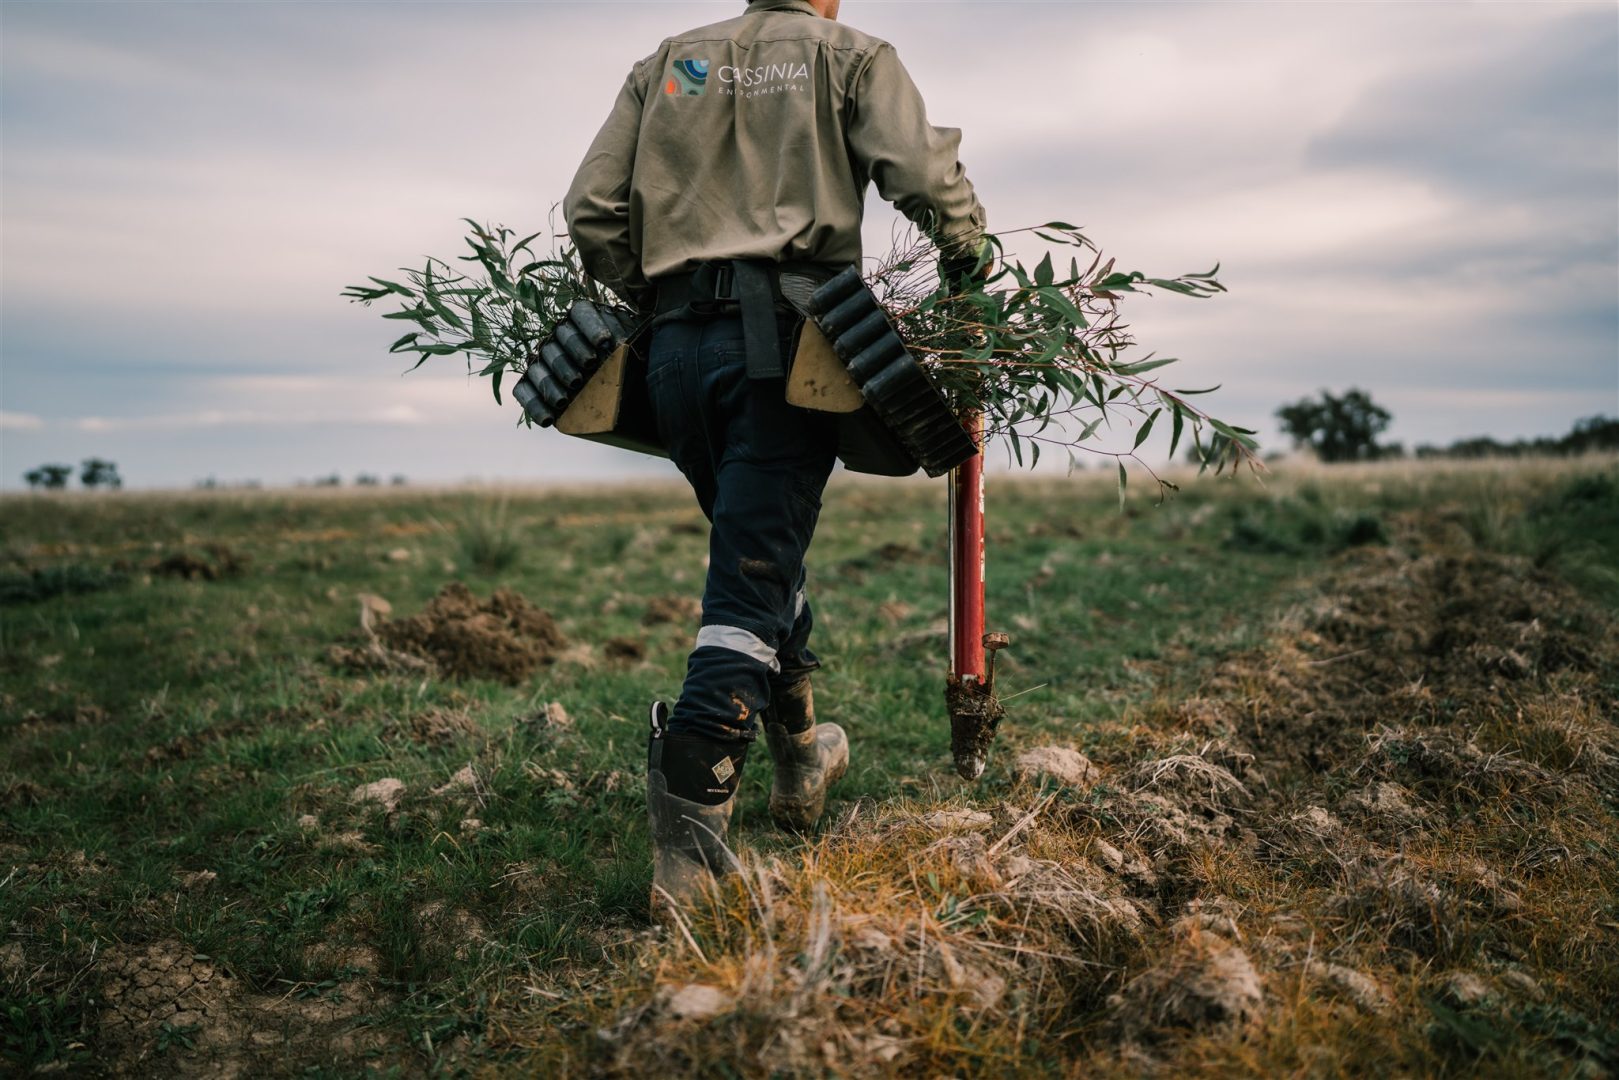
[(799, 6)]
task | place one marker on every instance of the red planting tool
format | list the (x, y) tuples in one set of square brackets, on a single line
[(975, 712)]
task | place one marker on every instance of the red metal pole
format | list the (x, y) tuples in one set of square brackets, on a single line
[(967, 560)]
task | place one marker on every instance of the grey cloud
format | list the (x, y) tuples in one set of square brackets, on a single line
[(189, 185), (1536, 118)]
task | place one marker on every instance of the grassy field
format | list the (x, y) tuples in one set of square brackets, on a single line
[(1316, 777)]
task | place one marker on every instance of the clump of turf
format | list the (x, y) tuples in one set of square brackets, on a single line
[(505, 638)]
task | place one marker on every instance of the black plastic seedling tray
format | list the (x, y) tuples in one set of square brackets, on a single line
[(895, 386)]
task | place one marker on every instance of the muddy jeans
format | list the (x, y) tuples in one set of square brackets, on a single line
[(758, 466)]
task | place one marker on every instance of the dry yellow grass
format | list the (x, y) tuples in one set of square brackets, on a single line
[(1349, 809), (1382, 843)]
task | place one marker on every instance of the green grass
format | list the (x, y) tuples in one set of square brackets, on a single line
[(492, 541), (162, 726)]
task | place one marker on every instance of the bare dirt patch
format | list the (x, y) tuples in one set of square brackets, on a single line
[(881, 558), (1061, 764), (213, 563), (166, 1008), (1204, 982), (16, 792), (624, 651), (440, 727), (672, 609), (1433, 636), (385, 793), (372, 657), (505, 638)]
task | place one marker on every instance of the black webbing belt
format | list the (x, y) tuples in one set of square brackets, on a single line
[(757, 292), (746, 286)]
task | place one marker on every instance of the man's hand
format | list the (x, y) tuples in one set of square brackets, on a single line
[(962, 272)]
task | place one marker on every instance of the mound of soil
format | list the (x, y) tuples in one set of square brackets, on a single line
[(884, 557), (624, 651), (504, 637), (1431, 638), (456, 635), (441, 727), (1203, 983), (672, 609), (216, 562)]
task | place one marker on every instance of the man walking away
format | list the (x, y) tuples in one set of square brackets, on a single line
[(727, 183)]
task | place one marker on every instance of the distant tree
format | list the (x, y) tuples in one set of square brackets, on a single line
[(1481, 446), (1542, 445), (1336, 428), (49, 477), (1592, 433), (399, 480), (367, 480), (333, 480), (99, 472)]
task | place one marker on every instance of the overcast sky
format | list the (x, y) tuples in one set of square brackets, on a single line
[(1418, 199)]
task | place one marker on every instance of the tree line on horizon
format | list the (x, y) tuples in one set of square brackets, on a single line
[(93, 473), (1345, 427), (1334, 427)]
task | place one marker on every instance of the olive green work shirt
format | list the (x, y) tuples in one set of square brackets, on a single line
[(756, 138)]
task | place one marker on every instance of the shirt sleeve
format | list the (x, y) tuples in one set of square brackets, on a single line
[(597, 207), (915, 165)]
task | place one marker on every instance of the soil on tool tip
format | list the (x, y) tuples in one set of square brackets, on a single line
[(975, 716)]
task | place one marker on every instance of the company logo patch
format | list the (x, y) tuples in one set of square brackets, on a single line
[(764, 79), (687, 78), (724, 770)]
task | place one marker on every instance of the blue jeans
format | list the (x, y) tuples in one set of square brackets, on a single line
[(758, 467)]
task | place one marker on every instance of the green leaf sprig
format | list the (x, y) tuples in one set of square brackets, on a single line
[(1041, 357), (1046, 359), (497, 318)]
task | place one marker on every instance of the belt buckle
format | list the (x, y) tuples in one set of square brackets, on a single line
[(724, 282)]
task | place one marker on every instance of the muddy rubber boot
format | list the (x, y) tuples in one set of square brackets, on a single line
[(689, 852), (809, 757)]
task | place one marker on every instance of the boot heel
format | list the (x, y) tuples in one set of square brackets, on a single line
[(807, 765)]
